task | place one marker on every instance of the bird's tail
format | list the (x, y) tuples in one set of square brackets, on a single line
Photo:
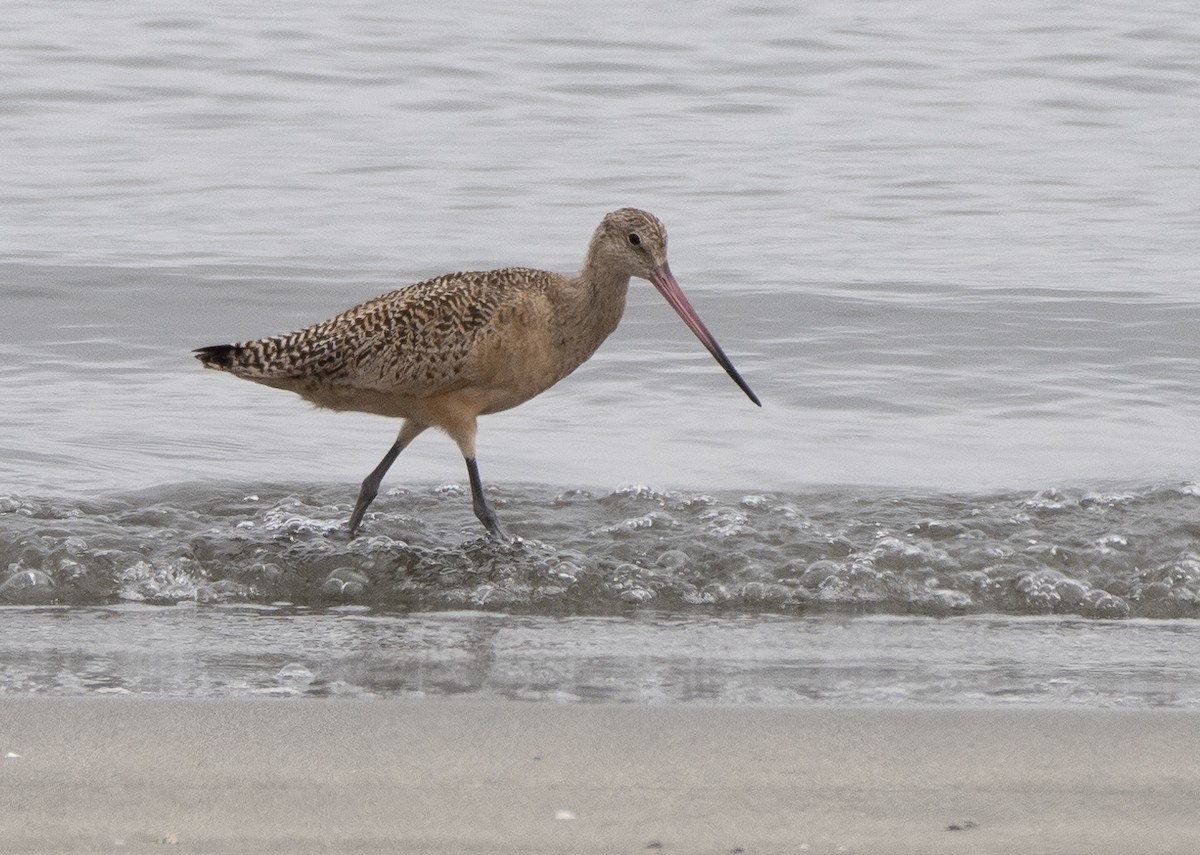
[(307, 353), (219, 356)]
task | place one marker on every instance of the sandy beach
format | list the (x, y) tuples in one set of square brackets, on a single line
[(443, 776)]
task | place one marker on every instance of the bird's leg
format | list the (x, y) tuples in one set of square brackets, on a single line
[(370, 487), (463, 433), (482, 509)]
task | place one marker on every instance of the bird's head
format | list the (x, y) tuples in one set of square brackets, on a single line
[(633, 240)]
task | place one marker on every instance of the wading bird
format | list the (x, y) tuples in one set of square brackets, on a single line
[(443, 352)]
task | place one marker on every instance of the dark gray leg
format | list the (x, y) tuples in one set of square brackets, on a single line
[(370, 487), (482, 509)]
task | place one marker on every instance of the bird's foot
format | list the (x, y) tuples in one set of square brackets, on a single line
[(497, 544)]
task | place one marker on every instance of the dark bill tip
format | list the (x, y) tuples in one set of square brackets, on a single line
[(665, 282)]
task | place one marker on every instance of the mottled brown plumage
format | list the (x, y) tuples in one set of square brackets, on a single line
[(442, 352)]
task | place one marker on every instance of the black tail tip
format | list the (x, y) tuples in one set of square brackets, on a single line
[(218, 356)]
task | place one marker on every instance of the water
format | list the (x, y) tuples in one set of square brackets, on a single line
[(649, 658), (952, 249)]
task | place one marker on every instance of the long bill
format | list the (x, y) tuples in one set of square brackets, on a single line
[(669, 288)]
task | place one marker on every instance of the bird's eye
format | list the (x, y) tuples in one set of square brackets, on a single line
[(634, 239)]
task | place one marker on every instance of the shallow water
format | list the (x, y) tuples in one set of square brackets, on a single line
[(648, 658), (1099, 554), (952, 249)]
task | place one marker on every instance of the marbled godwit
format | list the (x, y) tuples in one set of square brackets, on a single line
[(443, 352)]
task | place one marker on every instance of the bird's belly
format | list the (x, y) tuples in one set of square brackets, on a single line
[(499, 400), (440, 410), (522, 380), (345, 398), (503, 372)]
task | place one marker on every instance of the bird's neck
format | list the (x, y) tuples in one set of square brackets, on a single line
[(598, 294)]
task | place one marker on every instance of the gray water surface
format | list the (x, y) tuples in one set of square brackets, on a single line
[(952, 247), (652, 658)]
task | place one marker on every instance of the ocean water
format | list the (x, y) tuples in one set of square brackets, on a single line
[(953, 249)]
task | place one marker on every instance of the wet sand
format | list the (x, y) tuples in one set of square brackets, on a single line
[(448, 776)]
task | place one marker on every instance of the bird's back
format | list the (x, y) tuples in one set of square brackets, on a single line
[(417, 341)]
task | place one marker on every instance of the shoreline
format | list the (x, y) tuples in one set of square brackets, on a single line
[(454, 776)]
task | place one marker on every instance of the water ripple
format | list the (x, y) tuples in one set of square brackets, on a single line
[(1118, 553)]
